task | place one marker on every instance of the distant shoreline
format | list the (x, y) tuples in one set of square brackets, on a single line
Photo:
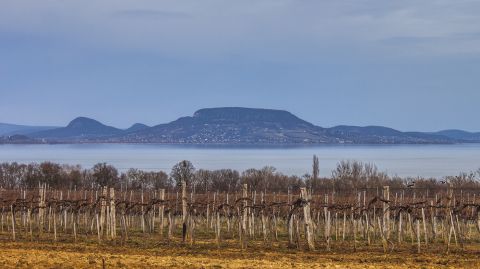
[(236, 144)]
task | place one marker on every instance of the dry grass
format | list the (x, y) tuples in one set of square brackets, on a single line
[(151, 253)]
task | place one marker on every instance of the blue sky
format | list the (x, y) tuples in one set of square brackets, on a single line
[(410, 65)]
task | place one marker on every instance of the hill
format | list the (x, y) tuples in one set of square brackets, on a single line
[(81, 128), (238, 125), (234, 125), (460, 135), (136, 127)]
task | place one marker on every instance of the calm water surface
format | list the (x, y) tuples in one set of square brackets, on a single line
[(402, 160)]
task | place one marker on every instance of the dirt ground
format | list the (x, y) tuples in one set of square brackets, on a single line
[(208, 255)]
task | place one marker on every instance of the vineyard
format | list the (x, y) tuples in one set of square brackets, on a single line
[(303, 221)]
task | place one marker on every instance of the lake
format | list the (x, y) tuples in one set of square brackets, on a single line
[(401, 160)]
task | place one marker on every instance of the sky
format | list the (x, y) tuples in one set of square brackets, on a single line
[(409, 65)]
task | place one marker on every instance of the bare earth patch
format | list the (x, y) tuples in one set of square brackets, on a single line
[(207, 255)]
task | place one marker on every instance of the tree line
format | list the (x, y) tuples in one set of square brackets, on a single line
[(347, 175)]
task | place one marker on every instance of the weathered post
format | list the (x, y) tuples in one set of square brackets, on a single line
[(103, 215), (386, 212), (184, 210), (424, 221), (98, 228), (212, 223), (307, 219), (161, 214), (243, 226), (327, 233), (354, 228), (417, 221), (142, 220), (434, 221), (290, 227), (367, 217), (41, 208), (208, 211), (218, 226), (170, 224), (54, 225), (74, 223), (252, 217), (399, 228), (113, 221), (13, 222), (228, 214), (264, 219), (383, 236)]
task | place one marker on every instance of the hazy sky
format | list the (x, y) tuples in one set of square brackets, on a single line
[(410, 65)]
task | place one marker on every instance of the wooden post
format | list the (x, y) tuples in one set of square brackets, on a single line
[(103, 212), (170, 224), (41, 205), (434, 221), (161, 214), (418, 234), (125, 227), (383, 236), (228, 214), (244, 216), (307, 219), (252, 217), (290, 229), (208, 211), (386, 212), (214, 204), (400, 228), (98, 228), (218, 226), (367, 217), (264, 219), (113, 222), (13, 222), (410, 228), (74, 222), (54, 225), (424, 226), (354, 228), (326, 213), (142, 220), (184, 210), (49, 217)]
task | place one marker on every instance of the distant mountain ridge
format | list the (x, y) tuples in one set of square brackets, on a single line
[(7, 129), (460, 135), (237, 125)]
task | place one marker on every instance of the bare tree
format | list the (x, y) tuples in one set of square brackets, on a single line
[(104, 174), (204, 179), (183, 170), (316, 168)]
